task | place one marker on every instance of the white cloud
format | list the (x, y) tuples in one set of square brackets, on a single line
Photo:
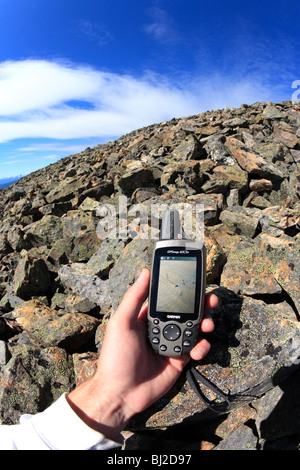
[(36, 101), (36, 85), (43, 99)]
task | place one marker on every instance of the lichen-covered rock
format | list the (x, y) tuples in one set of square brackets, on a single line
[(251, 343), (215, 258), (44, 232), (31, 278), (188, 149), (277, 220), (189, 172), (224, 178), (240, 220), (77, 223), (66, 190), (32, 380), (278, 416), (270, 266), (48, 327), (105, 257), (253, 162), (241, 438)]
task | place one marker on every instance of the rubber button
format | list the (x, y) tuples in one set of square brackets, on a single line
[(172, 332), (188, 333)]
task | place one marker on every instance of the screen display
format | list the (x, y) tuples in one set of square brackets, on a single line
[(177, 284)]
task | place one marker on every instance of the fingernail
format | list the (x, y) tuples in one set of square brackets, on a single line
[(141, 275), (200, 353)]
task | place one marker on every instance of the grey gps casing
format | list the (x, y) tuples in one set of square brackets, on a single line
[(177, 288)]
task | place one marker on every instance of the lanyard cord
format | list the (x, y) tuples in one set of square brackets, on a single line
[(194, 377)]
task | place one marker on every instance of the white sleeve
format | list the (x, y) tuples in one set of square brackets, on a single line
[(56, 428)]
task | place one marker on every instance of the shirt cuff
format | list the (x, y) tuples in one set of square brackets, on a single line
[(62, 429)]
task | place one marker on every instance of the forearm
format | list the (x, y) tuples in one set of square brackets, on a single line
[(56, 428)]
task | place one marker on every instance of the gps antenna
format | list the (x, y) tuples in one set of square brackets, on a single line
[(171, 228)]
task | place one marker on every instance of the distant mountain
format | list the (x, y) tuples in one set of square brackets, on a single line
[(4, 182)]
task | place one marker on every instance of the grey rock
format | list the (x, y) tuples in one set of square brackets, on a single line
[(242, 438), (79, 279), (31, 277), (278, 412), (4, 353), (106, 256), (16, 193), (136, 179), (217, 151), (135, 257)]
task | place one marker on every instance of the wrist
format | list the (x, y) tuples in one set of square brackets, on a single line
[(99, 409)]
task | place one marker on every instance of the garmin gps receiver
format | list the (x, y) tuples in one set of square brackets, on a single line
[(177, 289)]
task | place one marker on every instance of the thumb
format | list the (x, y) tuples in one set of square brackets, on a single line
[(135, 296)]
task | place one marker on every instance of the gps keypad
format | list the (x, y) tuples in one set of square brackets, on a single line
[(173, 339)]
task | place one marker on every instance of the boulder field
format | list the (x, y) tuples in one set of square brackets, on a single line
[(75, 235)]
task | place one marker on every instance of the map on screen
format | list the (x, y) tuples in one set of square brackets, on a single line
[(177, 284)]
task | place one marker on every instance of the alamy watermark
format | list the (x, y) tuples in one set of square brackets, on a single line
[(122, 221), (296, 94)]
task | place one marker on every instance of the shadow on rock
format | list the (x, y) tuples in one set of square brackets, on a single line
[(278, 421), (226, 317)]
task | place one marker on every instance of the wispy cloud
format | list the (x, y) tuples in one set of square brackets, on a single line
[(52, 147), (160, 26), (43, 99), (94, 32), (16, 161)]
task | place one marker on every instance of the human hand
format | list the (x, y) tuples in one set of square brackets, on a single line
[(130, 375)]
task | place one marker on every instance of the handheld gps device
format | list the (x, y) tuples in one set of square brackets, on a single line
[(177, 288)]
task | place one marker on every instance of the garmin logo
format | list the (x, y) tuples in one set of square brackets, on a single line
[(176, 252), (177, 317)]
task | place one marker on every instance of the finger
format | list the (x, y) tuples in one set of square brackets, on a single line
[(200, 350), (143, 312), (211, 301), (135, 296), (207, 325)]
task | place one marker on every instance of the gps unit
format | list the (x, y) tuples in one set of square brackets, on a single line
[(177, 289)]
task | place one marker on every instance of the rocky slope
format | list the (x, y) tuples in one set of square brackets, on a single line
[(61, 279)]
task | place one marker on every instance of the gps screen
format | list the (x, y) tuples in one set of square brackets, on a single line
[(177, 284)]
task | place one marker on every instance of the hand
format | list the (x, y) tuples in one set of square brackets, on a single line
[(130, 375)]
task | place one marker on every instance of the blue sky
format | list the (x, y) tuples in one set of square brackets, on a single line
[(77, 73)]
